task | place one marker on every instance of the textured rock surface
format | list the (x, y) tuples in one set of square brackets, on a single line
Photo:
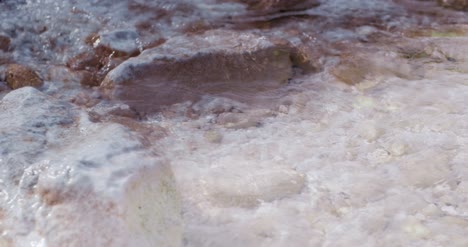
[(215, 62), (378, 162), (119, 42), (272, 6), (18, 76), (94, 182), (4, 42), (454, 4)]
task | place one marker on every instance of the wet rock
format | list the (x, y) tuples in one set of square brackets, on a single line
[(118, 42), (233, 120), (94, 181), (272, 6), (186, 66), (18, 76), (86, 61), (253, 187), (93, 66), (90, 79), (454, 4), (213, 136), (350, 72), (4, 42)]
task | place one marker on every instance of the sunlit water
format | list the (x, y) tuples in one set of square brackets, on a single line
[(317, 162)]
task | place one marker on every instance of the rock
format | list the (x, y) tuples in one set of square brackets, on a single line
[(4, 42), (18, 76), (89, 61), (93, 66), (251, 187), (95, 182), (119, 42), (272, 6), (454, 4), (213, 136), (350, 72), (186, 66)]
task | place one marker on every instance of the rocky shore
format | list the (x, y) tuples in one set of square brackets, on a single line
[(233, 123)]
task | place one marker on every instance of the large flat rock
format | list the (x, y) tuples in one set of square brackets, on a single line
[(187, 66), (68, 182)]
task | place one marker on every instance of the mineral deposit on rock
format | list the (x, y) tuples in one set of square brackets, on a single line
[(68, 182)]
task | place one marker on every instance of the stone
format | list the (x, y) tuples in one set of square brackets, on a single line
[(4, 42), (118, 42), (272, 6), (454, 4), (18, 76), (89, 61), (186, 66), (92, 66), (251, 187), (95, 182)]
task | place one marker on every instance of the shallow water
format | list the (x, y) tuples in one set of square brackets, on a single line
[(317, 162)]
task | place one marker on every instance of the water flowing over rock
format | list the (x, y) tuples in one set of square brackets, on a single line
[(225, 123), (187, 66), (454, 4), (118, 43), (94, 182), (272, 6)]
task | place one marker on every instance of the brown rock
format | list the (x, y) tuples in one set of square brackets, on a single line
[(454, 4), (119, 43), (4, 43), (215, 62), (272, 6), (18, 76), (90, 79), (86, 61), (93, 66)]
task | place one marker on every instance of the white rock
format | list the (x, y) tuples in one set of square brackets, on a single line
[(67, 182)]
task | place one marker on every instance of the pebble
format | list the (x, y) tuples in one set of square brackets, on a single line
[(18, 76)]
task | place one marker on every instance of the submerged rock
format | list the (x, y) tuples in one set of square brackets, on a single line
[(272, 6), (118, 42), (18, 76), (69, 182), (253, 187), (454, 4), (4, 42), (186, 66)]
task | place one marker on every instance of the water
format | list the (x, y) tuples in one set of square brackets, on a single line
[(317, 162)]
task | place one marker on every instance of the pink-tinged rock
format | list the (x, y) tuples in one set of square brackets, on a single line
[(68, 182), (187, 66)]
